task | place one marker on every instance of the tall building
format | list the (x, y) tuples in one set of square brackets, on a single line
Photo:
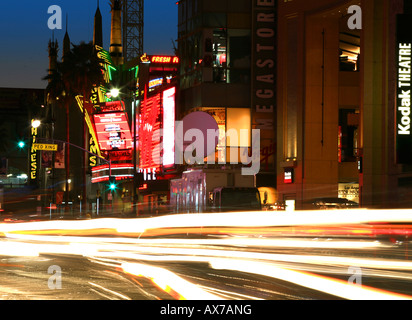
[(17, 108), (227, 52)]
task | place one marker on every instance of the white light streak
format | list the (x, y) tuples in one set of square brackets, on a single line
[(323, 284)]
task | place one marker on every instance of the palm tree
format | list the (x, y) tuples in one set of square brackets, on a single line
[(86, 74), (4, 139), (59, 89)]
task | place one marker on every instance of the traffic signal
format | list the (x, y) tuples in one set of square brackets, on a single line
[(21, 144), (112, 183)]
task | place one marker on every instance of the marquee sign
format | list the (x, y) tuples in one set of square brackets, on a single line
[(120, 171), (113, 132), (113, 106), (403, 90)]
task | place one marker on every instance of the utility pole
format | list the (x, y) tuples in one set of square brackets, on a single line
[(133, 28)]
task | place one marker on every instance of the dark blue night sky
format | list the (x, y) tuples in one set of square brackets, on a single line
[(25, 35)]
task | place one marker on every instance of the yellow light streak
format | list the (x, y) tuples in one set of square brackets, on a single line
[(166, 279)]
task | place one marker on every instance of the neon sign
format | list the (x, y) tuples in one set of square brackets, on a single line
[(164, 59), (149, 174), (120, 171), (113, 132), (155, 82), (112, 106), (87, 111), (33, 155), (149, 125)]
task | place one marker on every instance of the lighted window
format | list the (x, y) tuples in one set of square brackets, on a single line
[(348, 135), (219, 55), (349, 47), (238, 121)]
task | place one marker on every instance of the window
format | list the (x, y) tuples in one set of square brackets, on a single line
[(349, 47), (231, 55), (239, 56), (219, 55), (348, 135)]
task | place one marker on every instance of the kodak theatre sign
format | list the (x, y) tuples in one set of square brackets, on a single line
[(404, 90)]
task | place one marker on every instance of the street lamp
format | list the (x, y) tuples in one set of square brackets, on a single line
[(35, 123), (115, 92)]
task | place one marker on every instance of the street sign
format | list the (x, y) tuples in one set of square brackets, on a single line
[(45, 147), (59, 197)]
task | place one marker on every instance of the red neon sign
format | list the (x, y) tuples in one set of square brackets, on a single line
[(149, 126), (113, 132), (112, 106), (164, 59), (120, 171)]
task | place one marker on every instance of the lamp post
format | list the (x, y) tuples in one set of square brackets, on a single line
[(115, 93), (135, 185)]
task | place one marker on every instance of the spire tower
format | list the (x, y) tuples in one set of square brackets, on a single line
[(66, 40), (98, 28), (116, 50), (53, 51)]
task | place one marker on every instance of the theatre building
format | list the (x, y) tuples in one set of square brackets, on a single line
[(343, 102)]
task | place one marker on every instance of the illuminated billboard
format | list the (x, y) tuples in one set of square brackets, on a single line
[(157, 112), (169, 127), (113, 132), (148, 129)]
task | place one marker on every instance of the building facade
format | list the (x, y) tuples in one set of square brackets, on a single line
[(228, 61), (337, 103)]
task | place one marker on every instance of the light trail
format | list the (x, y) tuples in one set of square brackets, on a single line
[(324, 284), (169, 282), (229, 241), (241, 249), (114, 293), (232, 260), (229, 220)]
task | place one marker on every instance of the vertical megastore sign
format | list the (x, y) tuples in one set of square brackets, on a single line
[(403, 89), (263, 93)]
